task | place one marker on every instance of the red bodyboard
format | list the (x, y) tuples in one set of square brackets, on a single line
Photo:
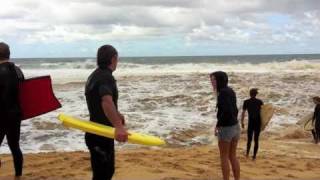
[(37, 97)]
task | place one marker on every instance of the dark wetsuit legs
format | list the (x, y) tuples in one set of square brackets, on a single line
[(12, 132), (102, 161), (317, 132), (253, 131)]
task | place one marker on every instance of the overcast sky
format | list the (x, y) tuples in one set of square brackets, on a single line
[(76, 28)]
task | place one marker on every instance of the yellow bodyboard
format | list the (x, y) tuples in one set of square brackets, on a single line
[(266, 114), (107, 131)]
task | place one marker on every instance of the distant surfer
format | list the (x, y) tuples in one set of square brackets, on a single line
[(316, 120), (102, 99), (10, 111), (227, 127), (253, 106)]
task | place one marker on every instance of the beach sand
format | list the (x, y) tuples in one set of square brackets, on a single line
[(279, 158)]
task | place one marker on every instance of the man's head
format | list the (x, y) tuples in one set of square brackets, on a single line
[(4, 51), (107, 56), (253, 92), (316, 99)]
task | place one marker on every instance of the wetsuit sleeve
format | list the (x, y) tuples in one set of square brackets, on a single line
[(245, 106), (105, 88)]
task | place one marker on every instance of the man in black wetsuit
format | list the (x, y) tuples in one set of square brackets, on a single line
[(253, 106), (10, 112), (102, 99), (316, 120)]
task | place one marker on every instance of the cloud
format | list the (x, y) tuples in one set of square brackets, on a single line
[(246, 21)]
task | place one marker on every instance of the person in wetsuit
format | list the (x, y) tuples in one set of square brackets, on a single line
[(316, 120), (253, 106), (102, 100), (227, 128), (10, 112)]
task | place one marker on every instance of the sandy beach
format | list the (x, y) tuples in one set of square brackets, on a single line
[(287, 158)]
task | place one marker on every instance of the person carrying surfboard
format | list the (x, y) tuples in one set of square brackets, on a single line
[(227, 128), (253, 106), (316, 120), (102, 100), (10, 111)]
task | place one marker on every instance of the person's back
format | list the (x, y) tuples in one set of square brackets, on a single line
[(253, 106), (10, 111), (9, 102)]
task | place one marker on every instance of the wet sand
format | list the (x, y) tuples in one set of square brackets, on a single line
[(285, 158)]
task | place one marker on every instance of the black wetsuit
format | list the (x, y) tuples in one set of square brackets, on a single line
[(253, 105), (100, 83), (10, 112), (316, 121)]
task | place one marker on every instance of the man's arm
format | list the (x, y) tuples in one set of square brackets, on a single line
[(113, 115), (243, 115), (242, 118), (314, 115)]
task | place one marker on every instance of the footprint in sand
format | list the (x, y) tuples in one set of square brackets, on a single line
[(310, 166), (274, 171), (135, 161), (281, 166), (158, 171), (291, 176), (171, 178), (200, 171)]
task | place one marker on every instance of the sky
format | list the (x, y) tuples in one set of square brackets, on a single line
[(76, 28)]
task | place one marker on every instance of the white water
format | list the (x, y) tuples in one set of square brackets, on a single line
[(170, 100)]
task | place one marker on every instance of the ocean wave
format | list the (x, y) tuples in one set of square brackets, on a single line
[(79, 71), (293, 65)]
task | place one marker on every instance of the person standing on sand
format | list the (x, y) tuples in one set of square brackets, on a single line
[(253, 106), (10, 111), (227, 128), (102, 100), (316, 120)]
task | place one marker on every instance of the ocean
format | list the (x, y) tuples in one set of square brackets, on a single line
[(171, 97)]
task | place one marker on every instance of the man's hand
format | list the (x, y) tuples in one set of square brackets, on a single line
[(242, 125), (122, 118), (216, 131), (121, 134)]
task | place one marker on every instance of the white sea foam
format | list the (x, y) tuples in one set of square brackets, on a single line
[(79, 71), (173, 101)]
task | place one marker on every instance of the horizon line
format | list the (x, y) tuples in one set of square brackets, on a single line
[(70, 57)]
